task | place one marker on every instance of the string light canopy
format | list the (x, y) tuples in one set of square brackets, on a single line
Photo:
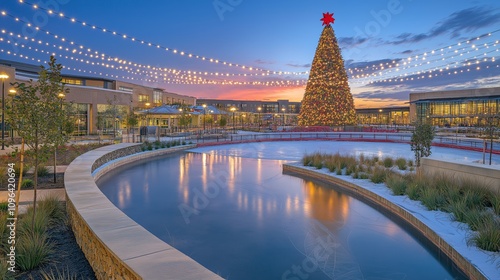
[(436, 62), (94, 27)]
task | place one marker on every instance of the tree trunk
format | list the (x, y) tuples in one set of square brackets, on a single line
[(34, 192)]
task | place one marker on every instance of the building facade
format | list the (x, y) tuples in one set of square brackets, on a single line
[(383, 116), (99, 104), (470, 107)]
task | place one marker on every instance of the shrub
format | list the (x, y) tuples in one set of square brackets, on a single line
[(339, 170), (488, 238), (416, 186), (330, 165), (42, 171), (350, 169), (432, 198), (64, 274), (4, 270), (27, 183), (17, 169), (410, 163), (41, 222), (495, 203), (379, 175), (149, 146), (396, 183), (51, 207), (364, 176), (362, 158), (401, 163), (458, 209), (388, 162), (32, 250), (476, 219), (474, 198), (183, 142), (4, 205)]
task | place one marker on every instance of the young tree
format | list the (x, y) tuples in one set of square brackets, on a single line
[(421, 141), (38, 116), (131, 121), (223, 122)]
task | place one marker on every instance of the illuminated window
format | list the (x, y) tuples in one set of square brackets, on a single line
[(157, 96), (143, 98), (72, 81)]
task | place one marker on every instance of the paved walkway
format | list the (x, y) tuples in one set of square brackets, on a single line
[(26, 197)]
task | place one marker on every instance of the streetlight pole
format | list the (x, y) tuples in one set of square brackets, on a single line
[(283, 110), (204, 116), (259, 109), (234, 126), (3, 77), (61, 97)]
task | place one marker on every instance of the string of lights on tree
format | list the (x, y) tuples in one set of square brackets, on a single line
[(124, 36), (327, 100)]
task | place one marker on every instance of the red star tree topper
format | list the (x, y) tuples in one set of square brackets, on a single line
[(327, 19)]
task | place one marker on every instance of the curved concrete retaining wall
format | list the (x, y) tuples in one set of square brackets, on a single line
[(471, 271), (487, 175), (115, 246)]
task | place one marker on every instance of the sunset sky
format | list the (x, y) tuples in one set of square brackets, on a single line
[(421, 45)]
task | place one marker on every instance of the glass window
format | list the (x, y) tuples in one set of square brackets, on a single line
[(143, 98), (157, 96)]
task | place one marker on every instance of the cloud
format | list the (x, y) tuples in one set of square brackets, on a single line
[(363, 64), (261, 61), (407, 52), (463, 21), (465, 77), (308, 65), (350, 42)]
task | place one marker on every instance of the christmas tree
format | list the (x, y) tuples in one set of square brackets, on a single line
[(328, 99)]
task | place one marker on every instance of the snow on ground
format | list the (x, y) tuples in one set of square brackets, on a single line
[(455, 233), (294, 150)]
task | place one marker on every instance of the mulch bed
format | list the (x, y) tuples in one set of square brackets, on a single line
[(66, 259)]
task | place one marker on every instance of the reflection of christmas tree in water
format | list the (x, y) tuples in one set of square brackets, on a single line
[(328, 99)]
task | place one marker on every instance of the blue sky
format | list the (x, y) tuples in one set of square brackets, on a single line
[(279, 35)]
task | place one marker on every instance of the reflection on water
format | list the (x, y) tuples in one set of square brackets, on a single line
[(248, 221)]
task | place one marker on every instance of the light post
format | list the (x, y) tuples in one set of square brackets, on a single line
[(380, 117), (242, 121), (12, 92), (283, 110), (3, 77), (147, 113), (61, 97), (204, 116), (234, 126), (259, 109)]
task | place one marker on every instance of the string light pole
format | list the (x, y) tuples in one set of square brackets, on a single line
[(3, 77)]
